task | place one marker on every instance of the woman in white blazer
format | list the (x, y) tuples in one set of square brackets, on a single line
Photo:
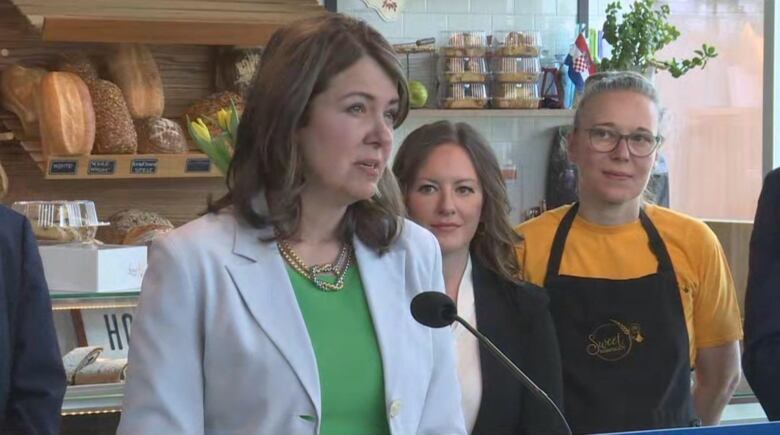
[(236, 332)]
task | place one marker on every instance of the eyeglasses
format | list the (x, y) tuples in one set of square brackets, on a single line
[(606, 140)]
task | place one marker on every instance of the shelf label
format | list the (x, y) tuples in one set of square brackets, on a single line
[(101, 167), (63, 167), (198, 164), (143, 166)]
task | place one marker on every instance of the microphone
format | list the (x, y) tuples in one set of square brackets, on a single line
[(437, 310)]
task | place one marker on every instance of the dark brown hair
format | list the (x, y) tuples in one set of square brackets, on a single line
[(495, 240), (265, 178)]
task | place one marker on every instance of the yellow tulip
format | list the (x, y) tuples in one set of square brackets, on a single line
[(223, 118), (200, 130)]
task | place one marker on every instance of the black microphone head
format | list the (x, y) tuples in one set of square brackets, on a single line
[(434, 309)]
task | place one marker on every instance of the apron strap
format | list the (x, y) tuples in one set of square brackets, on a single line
[(657, 246), (556, 253)]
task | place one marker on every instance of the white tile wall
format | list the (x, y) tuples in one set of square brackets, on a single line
[(523, 140), (423, 18)]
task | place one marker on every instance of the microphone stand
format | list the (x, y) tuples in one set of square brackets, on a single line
[(528, 383)]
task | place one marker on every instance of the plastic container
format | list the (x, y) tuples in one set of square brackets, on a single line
[(517, 43), (515, 96), (463, 43), (61, 221), (464, 69), (464, 96), (516, 69)]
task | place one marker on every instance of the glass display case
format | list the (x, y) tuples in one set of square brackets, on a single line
[(93, 332)]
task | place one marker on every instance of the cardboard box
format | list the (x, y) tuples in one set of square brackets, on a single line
[(93, 268)]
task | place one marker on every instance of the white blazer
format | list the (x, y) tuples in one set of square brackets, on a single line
[(219, 345)]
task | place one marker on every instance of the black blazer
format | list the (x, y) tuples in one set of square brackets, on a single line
[(761, 359), (515, 317), (32, 378)]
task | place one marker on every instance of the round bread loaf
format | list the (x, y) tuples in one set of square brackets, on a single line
[(125, 220), (79, 64), (207, 108), (160, 136), (114, 130), (144, 234)]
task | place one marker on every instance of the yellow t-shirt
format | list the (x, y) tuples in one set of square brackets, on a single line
[(622, 252)]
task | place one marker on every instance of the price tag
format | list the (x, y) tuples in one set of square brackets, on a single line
[(198, 165), (101, 167), (63, 167), (143, 166)]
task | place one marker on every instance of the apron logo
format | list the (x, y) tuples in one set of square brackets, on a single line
[(612, 341)]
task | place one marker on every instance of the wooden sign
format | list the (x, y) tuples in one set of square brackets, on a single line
[(389, 10), (109, 329)]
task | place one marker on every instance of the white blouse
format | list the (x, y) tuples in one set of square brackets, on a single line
[(467, 347)]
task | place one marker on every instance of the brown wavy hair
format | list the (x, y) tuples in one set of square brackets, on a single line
[(495, 240), (265, 177)]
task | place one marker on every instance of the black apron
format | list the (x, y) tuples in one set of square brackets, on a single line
[(624, 344)]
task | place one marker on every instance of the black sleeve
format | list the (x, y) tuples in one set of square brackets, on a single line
[(765, 240), (37, 374), (543, 366), (761, 359)]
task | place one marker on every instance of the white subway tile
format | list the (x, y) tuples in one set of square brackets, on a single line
[(449, 6), (568, 7), (513, 22), (418, 26), (347, 6), (416, 6), (469, 22), (493, 6), (393, 29), (544, 7)]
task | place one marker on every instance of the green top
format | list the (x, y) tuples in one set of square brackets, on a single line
[(348, 358)]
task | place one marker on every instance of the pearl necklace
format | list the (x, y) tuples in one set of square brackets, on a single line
[(314, 273)]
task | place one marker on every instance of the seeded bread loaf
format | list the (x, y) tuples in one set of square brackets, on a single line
[(114, 130), (144, 234), (123, 221), (160, 136), (79, 64)]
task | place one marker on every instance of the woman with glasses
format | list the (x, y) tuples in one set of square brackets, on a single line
[(640, 294)]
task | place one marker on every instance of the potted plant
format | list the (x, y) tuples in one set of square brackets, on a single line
[(643, 31)]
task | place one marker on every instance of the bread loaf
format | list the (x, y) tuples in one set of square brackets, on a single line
[(79, 64), (144, 234), (66, 117), (160, 136), (133, 69), (115, 133), (207, 109), (235, 68), (19, 88), (123, 221)]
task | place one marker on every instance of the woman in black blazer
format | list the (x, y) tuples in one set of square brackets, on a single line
[(453, 186)]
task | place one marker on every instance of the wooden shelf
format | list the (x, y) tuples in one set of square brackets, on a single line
[(207, 22), (113, 166), (490, 113)]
